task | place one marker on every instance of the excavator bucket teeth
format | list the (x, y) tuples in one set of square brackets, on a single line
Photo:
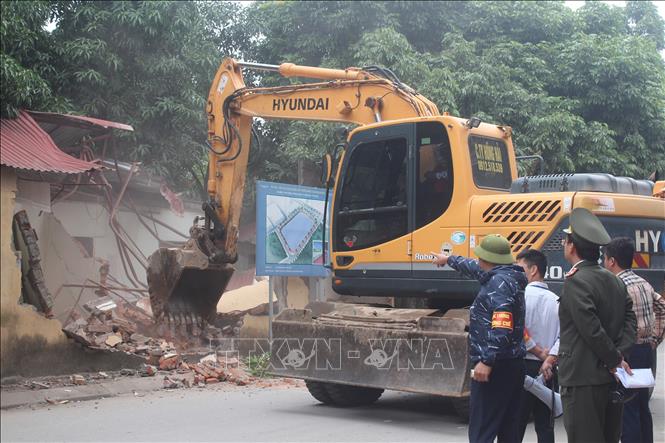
[(183, 283)]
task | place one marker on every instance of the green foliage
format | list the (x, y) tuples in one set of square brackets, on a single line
[(644, 21), (258, 364), (27, 55), (149, 64), (585, 89), (603, 19)]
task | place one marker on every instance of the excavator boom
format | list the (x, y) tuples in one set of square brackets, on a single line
[(186, 283)]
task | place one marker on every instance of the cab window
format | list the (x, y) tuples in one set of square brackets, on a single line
[(373, 205), (434, 175), (489, 162)]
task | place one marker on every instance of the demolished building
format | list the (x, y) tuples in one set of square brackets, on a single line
[(76, 226)]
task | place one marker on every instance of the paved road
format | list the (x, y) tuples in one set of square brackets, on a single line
[(236, 415), (254, 414)]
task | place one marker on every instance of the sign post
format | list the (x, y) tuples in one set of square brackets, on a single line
[(290, 234), (270, 313)]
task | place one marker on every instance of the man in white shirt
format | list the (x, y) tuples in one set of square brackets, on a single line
[(542, 343)]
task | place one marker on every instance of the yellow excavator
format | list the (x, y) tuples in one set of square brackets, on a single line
[(406, 181)]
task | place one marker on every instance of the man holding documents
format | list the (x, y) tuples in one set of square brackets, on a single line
[(649, 308), (597, 329)]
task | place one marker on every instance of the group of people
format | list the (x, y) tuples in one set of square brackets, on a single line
[(606, 318)]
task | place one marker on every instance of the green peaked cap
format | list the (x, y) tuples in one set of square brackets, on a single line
[(587, 227), (495, 249)]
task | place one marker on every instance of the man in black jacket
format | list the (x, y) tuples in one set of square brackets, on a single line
[(496, 332)]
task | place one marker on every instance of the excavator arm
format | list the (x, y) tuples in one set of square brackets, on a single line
[(186, 283)]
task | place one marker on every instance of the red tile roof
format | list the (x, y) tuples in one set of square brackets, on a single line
[(25, 145)]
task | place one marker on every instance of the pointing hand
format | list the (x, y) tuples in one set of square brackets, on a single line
[(439, 259)]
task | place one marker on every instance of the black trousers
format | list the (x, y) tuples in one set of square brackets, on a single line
[(495, 409), (637, 420), (541, 413), (589, 416)]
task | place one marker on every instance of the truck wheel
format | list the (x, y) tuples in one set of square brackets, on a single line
[(318, 391), (462, 407), (346, 396)]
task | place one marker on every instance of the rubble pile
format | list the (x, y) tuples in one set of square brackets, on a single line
[(110, 331), (118, 326), (208, 370)]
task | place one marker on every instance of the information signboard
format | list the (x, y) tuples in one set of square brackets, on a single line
[(289, 230)]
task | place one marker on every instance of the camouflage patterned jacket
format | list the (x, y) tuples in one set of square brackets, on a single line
[(496, 328)]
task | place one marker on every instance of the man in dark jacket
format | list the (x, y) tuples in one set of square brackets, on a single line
[(496, 332), (597, 329)]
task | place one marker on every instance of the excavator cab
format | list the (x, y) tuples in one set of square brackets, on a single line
[(403, 190)]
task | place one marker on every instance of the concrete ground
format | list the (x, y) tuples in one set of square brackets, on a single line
[(236, 415), (228, 413), (245, 414)]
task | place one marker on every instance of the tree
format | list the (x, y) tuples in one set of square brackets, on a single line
[(27, 52), (584, 88), (644, 21), (149, 64)]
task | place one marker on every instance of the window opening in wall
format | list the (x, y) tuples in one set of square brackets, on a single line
[(87, 245)]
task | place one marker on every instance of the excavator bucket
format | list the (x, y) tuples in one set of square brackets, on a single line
[(185, 287), (414, 350)]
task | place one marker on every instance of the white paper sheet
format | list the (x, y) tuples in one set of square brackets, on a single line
[(641, 378)]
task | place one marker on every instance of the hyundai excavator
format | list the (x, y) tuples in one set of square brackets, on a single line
[(406, 180)]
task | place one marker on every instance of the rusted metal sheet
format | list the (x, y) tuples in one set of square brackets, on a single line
[(68, 130), (81, 120), (415, 350), (25, 145)]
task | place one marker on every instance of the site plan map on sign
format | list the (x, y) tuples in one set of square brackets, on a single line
[(290, 230)]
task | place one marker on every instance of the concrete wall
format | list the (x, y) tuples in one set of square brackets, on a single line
[(22, 330), (64, 259), (31, 344), (90, 219)]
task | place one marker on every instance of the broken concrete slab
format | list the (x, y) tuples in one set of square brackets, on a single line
[(209, 358), (78, 379), (113, 340), (139, 339), (69, 358)]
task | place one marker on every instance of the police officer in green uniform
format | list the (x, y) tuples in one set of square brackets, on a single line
[(598, 326)]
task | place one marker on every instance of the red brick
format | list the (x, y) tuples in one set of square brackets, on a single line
[(169, 362)]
